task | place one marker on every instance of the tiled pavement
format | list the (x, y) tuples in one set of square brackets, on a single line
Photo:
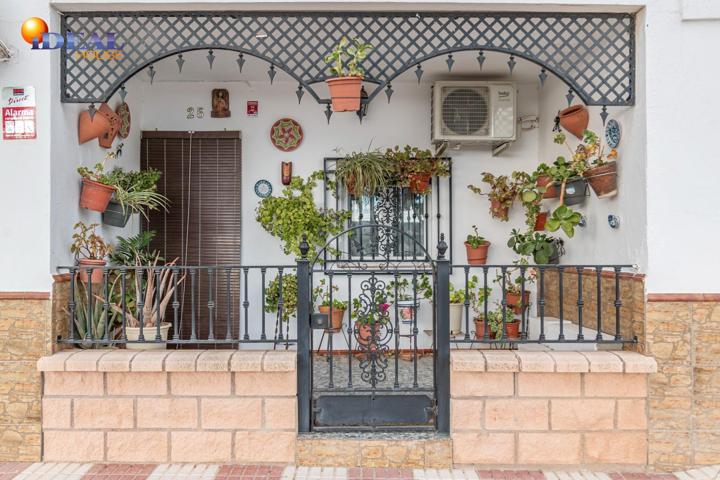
[(87, 471)]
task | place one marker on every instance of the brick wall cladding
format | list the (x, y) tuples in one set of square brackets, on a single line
[(684, 395), (632, 296), (162, 406), (24, 337), (532, 409)]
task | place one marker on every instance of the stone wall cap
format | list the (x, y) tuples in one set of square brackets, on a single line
[(120, 360), (550, 361)]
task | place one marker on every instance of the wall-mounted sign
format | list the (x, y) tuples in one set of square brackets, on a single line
[(18, 113), (252, 108)]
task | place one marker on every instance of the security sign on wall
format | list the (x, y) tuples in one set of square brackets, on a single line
[(18, 113)]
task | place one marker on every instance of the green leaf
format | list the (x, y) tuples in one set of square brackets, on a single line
[(552, 224), (568, 229)]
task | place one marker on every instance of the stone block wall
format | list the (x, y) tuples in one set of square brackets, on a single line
[(535, 409), (24, 338), (683, 334), (632, 296), (161, 406)]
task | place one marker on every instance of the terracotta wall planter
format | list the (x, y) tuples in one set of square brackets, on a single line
[(575, 120), (603, 180), (419, 183), (477, 256), (97, 273), (540, 221), (345, 93), (499, 211), (95, 196), (336, 319)]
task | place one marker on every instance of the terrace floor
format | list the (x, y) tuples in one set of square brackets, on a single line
[(87, 471)]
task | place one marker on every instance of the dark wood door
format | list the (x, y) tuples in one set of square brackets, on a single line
[(201, 176)]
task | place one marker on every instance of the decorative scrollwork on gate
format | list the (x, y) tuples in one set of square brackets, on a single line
[(373, 330)]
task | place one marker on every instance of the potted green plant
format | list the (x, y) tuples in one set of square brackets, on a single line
[(475, 297), (476, 248), (294, 216), (90, 251), (95, 326), (135, 192), (544, 180), (364, 173), (495, 325), (400, 290), (531, 194), (503, 191), (565, 218), (602, 171), (335, 308), (415, 167), (543, 248), (97, 188), (515, 298), (369, 319), (345, 87)]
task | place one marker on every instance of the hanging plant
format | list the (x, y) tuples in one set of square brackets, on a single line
[(294, 215), (344, 61), (97, 187), (542, 248), (364, 173), (564, 218), (530, 194), (502, 194), (415, 167)]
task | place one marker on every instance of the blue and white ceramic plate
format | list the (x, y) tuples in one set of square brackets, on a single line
[(613, 133), (263, 188)]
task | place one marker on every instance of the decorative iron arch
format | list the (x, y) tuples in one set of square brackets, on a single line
[(594, 53)]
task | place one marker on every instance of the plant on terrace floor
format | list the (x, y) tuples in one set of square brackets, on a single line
[(128, 250), (94, 326), (294, 215)]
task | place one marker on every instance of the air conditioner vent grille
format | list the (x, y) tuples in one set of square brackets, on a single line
[(465, 111)]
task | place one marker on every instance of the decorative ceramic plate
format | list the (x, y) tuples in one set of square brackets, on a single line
[(613, 133), (286, 134), (263, 188), (123, 111)]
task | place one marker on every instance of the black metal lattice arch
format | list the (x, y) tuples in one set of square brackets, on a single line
[(594, 53)]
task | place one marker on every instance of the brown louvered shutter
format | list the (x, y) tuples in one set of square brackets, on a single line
[(202, 179)]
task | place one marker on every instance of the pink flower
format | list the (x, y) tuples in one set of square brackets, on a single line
[(384, 307)]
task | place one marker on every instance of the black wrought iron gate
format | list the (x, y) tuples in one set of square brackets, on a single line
[(368, 360)]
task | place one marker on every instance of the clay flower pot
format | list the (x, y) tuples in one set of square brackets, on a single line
[(336, 319), (513, 302), (95, 196), (551, 190), (97, 273), (477, 256), (107, 137), (575, 120), (91, 128), (419, 182), (512, 329), (345, 93), (603, 180), (540, 221), (499, 211)]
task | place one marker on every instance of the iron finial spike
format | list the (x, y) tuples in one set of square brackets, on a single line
[(304, 247), (442, 247), (604, 114), (328, 113), (180, 62)]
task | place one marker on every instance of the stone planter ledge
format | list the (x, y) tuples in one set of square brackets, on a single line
[(116, 360), (578, 362)]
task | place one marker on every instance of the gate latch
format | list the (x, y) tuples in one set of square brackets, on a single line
[(320, 321)]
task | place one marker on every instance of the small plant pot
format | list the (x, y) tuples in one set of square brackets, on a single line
[(97, 272), (575, 191), (499, 211), (479, 327), (456, 316), (114, 215), (575, 120), (95, 196), (551, 190), (513, 302), (512, 329), (419, 183), (477, 256), (540, 221), (345, 93), (336, 319), (133, 334), (603, 180)]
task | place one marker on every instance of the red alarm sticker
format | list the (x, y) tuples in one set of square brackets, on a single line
[(252, 108), (18, 113)]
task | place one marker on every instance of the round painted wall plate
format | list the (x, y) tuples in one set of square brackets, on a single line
[(263, 188), (613, 133), (286, 134)]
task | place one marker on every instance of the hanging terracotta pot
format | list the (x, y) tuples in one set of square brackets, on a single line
[(107, 137), (575, 120), (95, 196), (550, 190), (540, 220), (345, 93), (89, 128), (603, 180), (477, 256), (419, 182), (337, 317), (499, 211), (97, 273)]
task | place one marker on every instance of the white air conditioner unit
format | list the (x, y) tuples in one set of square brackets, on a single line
[(473, 112)]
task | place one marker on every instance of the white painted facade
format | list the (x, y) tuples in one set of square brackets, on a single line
[(668, 221)]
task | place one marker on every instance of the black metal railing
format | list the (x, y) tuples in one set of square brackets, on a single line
[(220, 305)]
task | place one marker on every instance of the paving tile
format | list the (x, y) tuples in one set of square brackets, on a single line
[(249, 472), (54, 471), (119, 472), (184, 472)]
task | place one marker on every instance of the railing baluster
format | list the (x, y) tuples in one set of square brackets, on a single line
[(503, 271), (415, 333), (541, 304), (176, 306), (139, 275), (123, 305), (467, 303), (350, 329), (561, 300), (396, 333), (331, 334), (598, 279), (246, 302), (524, 308), (211, 304), (71, 306), (580, 303), (618, 304), (263, 335), (228, 301), (89, 333), (193, 320), (485, 334), (158, 293), (106, 304)]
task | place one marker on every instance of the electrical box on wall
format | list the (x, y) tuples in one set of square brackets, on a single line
[(473, 112)]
